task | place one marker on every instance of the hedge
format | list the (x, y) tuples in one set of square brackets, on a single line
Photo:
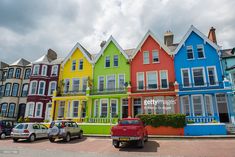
[(172, 120)]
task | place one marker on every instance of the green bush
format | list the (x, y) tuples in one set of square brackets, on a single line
[(172, 120)]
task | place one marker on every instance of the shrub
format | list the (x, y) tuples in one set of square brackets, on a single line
[(27, 119), (20, 120), (190, 122), (172, 120)]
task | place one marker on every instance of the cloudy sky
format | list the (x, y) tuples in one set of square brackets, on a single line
[(29, 27)]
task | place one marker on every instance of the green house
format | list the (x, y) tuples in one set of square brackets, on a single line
[(111, 76)]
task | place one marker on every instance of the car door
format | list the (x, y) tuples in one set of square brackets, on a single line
[(37, 130), (75, 129), (8, 126), (44, 130)]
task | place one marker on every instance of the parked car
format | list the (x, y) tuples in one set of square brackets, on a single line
[(29, 131), (129, 130), (5, 128), (64, 129)]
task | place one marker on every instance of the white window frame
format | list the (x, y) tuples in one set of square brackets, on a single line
[(77, 107), (156, 80), (204, 76), (187, 48), (49, 91), (202, 104), (42, 70), (65, 86), (119, 80), (107, 107), (137, 82), (84, 78), (166, 79), (80, 63), (73, 89), (117, 60), (59, 105), (155, 51), (201, 46), (99, 83), (73, 61), (108, 81), (18, 70), (96, 106), (182, 104), (52, 70), (27, 109), (36, 110), (34, 67), (30, 87), (116, 106), (211, 105), (109, 61), (44, 87), (145, 62), (216, 77), (182, 78)]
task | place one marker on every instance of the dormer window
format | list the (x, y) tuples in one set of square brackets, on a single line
[(190, 52), (200, 51)]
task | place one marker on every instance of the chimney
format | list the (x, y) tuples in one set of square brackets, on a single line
[(168, 38), (212, 36), (52, 55), (102, 44)]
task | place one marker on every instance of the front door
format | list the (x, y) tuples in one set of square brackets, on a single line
[(222, 108), (21, 111)]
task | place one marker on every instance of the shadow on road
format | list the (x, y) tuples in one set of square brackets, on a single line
[(150, 146), (36, 141), (73, 141)]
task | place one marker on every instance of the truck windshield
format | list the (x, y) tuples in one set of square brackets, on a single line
[(129, 122)]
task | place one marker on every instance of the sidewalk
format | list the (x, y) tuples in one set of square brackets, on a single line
[(172, 136)]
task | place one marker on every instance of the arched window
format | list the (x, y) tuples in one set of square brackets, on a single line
[(10, 73), (29, 109), (52, 87), (33, 87), (54, 71), (4, 109), (27, 73), (38, 110), (7, 89), (17, 73), (41, 88), (24, 91), (11, 110), (15, 89)]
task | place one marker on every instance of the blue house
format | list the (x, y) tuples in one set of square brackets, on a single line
[(204, 94)]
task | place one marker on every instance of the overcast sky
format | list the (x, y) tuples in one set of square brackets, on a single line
[(28, 28)]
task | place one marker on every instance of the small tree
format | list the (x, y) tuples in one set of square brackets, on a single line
[(20, 120), (27, 119)]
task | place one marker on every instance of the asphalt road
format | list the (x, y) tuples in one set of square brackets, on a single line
[(102, 147)]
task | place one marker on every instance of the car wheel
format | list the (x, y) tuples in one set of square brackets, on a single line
[(80, 136), (141, 143), (146, 138), (32, 138), (116, 144), (51, 140), (67, 138), (3, 136), (15, 139)]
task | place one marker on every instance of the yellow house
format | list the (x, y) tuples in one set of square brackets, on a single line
[(70, 101)]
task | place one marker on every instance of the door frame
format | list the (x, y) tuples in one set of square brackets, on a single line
[(229, 120)]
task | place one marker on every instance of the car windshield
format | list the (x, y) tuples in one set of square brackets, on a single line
[(22, 126), (129, 122)]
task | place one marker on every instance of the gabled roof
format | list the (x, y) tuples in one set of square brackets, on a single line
[(200, 34), (150, 33), (3, 65), (82, 49), (105, 46), (129, 52), (20, 62), (228, 53)]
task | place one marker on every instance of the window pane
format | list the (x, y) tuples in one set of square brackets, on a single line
[(39, 108), (107, 61), (152, 80), (104, 108), (115, 60), (7, 89), (146, 57), (114, 108), (155, 56), (211, 73), (75, 108), (61, 109), (185, 78), (209, 107), (15, 89), (25, 90), (200, 52), (140, 80), (121, 82), (189, 53), (80, 64), (84, 84), (185, 102), (74, 65), (197, 104), (111, 82), (164, 79), (198, 77), (4, 109), (101, 83), (76, 83)]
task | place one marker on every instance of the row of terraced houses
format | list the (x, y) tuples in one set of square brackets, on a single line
[(194, 77)]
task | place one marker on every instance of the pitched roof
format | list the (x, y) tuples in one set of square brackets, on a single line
[(20, 62), (129, 52), (226, 53), (150, 33), (82, 49), (195, 30), (44, 60), (3, 65), (105, 46)]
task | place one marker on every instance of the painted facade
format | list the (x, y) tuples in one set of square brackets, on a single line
[(152, 79), (111, 77), (15, 89), (204, 94), (71, 101), (43, 81)]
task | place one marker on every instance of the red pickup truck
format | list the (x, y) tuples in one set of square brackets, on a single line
[(128, 130)]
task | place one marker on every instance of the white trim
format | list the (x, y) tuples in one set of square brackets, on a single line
[(84, 79), (204, 76), (189, 77), (48, 117), (216, 77), (101, 107), (166, 78), (45, 70), (147, 72), (65, 86), (99, 82), (75, 79), (182, 104), (35, 114), (117, 62), (190, 47), (119, 80), (77, 46), (116, 105), (106, 45), (211, 105), (114, 80), (146, 52), (96, 103), (30, 87), (202, 104), (155, 50), (195, 30), (44, 87), (228, 110), (137, 82), (34, 67), (52, 69), (73, 108), (82, 64), (49, 91), (150, 33), (203, 51), (109, 61), (27, 109), (75, 65)]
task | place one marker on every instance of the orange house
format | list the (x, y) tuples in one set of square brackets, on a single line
[(152, 89)]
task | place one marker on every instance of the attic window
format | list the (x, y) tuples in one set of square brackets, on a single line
[(190, 52), (107, 62), (200, 51)]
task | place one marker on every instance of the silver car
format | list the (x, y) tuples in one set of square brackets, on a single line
[(29, 131)]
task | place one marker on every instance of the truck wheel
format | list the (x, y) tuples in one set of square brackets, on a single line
[(146, 138), (51, 140), (140, 143), (3, 136), (15, 139), (67, 138), (116, 144), (80, 135)]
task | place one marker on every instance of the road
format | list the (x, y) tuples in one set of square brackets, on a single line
[(97, 147)]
